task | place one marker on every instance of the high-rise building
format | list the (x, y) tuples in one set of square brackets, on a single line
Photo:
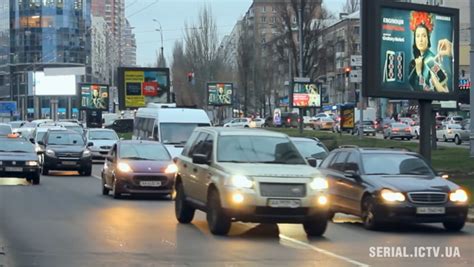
[(129, 46), (38, 34)]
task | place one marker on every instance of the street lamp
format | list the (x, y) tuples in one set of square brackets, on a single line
[(161, 35)]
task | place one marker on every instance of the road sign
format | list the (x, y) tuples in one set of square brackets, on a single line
[(355, 76), (356, 61), (7, 107)]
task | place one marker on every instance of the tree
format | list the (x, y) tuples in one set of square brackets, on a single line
[(351, 6), (245, 60), (185, 95)]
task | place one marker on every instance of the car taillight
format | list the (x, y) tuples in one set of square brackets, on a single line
[(288, 120), (407, 129), (395, 129)]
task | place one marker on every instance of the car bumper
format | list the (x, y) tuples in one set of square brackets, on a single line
[(5, 171), (65, 164), (99, 154), (131, 183), (400, 135), (408, 213)]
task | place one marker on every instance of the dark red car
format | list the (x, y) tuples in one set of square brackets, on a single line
[(133, 167)]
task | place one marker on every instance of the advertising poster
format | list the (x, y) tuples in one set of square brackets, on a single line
[(219, 94), (306, 95), (416, 51), (277, 117), (140, 86), (94, 96), (347, 118)]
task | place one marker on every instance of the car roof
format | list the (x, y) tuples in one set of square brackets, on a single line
[(138, 142), (100, 130), (67, 131), (45, 129), (223, 131), (375, 150), (67, 123)]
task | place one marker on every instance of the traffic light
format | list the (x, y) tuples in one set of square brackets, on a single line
[(347, 71)]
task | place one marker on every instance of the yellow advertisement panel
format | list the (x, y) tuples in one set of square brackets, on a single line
[(347, 118)]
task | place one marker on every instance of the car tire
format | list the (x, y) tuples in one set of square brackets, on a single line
[(369, 217), (445, 139), (454, 226), (316, 226), (35, 179), (86, 172), (219, 223), (116, 192), (457, 140), (44, 171), (409, 138), (105, 190), (183, 211), (373, 134), (384, 137)]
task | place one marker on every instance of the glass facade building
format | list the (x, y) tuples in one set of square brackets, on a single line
[(42, 33)]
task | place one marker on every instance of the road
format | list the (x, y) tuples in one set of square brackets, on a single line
[(66, 221)]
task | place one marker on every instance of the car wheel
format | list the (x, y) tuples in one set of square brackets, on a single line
[(445, 139), (409, 138), (117, 193), (384, 137), (316, 226), (86, 172), (331, 215), (457, 140), (105, 190), (403, 138), (454, 226), (373, 134), (184, 213), (219, 223), (35, 178), (369, 217), (44, 171)]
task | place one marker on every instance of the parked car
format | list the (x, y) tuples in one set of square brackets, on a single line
[(239, 123), (439, 121), (138, 167), (387, 185), (397, 130), (466, 123), (103, 140), (66, 150), (452, 132), (256, 123), (289, 120), (121, 126), (407, 121), (311, 148), (368, 128), (453, 120), (255, 176), (322, 123)]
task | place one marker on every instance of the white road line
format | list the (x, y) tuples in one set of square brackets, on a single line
[(97, 177), (323, 251)]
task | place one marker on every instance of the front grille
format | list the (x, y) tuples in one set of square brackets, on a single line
[(105, 147), (266, 211), (163, 179), (428, 197), (13, 163), (69, 154), (282, 190)]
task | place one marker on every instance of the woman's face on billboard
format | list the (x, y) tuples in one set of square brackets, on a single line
[(421, 39)]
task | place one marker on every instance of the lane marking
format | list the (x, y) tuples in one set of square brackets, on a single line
[(97, 177), (323, 251)]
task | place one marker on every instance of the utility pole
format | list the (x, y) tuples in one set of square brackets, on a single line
[(471, 91), (301, 38)]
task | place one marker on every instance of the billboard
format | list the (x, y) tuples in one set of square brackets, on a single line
[(54, 85), (306, 95), (219, 94), (94, 96), (412, 51), (140, 86), (347, 118), (7, 108)]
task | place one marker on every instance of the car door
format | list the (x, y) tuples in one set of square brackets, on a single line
[(351, 189), (188, 170), (110, 165), (203, 172), (335, 175)]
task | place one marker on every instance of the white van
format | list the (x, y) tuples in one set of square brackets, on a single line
[(170, 126)]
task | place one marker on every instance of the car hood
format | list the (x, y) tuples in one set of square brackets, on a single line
[(174, 150), (66, 148), (99, 143), (406, 183), (147, 166), (270, 170), (7, 156)]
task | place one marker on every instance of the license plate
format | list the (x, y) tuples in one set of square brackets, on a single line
[(430, 210), (68, 163), (150, 183), (284, 203), (13, 169)]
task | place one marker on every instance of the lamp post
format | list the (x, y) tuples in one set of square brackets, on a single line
[(161, 35)]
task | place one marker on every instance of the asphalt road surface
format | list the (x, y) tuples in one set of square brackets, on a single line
[(66, 221)]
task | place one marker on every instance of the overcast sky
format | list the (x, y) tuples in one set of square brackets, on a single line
[(172, 14)]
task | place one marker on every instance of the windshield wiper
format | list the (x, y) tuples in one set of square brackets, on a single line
[(136, 158)]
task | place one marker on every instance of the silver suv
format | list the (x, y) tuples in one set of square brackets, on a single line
[(248, 175)]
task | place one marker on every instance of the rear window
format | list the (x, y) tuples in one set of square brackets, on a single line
[(457, 118), (399, 125)]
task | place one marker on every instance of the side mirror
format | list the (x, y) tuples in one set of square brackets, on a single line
[(312, 162), (443, 175), (200, 159), (352, 174), (90, 144), (32, 140), (41, 143)]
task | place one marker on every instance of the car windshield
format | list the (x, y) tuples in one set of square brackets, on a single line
[(455, 126), (40, 136), (257, 149), (311, 149), (16, 124), (63, 138), (144, 151), (77, 129), (29, 125), (5, 129), (19, 146), (178, 133), (394, 164), (102, 135), (398, 125)]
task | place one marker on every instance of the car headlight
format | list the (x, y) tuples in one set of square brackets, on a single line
[(50, 153), (319, 184), (124, 167), (172, 168), (458, 196), (37, 149), (240, 181), (390, 196), (31, 163), (86, 153)]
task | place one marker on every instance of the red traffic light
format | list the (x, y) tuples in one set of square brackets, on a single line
[(347, 69)]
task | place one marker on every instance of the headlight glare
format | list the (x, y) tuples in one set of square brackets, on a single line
[(390, 196), (241, 181), (172, 168), (50, 153), (124, 167), (32, 163), (458, 196), (86, 153), (319, 184)]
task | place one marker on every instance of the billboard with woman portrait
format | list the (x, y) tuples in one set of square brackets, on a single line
[(94, 96), (412, 52)]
